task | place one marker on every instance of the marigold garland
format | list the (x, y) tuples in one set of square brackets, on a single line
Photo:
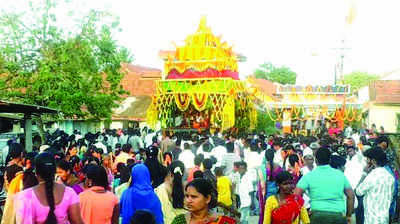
[(200, 101), (337, 115), (182, 101), (270, 117), (152, 116), (228, 119)]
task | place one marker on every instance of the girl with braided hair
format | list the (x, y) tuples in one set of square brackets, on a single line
[(171, 192), (48, 202)]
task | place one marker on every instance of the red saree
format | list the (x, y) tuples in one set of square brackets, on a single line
[(288, 212)]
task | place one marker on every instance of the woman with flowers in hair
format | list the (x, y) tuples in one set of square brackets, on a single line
[(285, 207), (171, 192)]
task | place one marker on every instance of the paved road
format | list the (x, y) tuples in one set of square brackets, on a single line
[(253, 220)]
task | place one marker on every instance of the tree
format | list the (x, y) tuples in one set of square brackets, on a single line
[(398, 122), (357, 80), (281, 75), (77, 73), (265, 123)]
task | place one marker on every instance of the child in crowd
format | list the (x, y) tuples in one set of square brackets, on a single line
[(235, 179)]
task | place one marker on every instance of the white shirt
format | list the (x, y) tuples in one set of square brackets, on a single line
[(377, 188), (307, 200), (101, 146), (122, 139), (245, 187), (228, 161), (278, 157), (307, 151), (246, 151), (235, 179), (4, 153), (354, 169), (309, 124), (187, 158), (253, 160), (218, 152), (304, 170), (348, 131), (149, 139), (114, 141), (356, 138), (136, 142), (206, 155)]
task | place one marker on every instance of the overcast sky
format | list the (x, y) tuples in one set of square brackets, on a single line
[(299, 34)]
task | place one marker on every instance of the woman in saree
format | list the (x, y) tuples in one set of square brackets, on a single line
[(285, 207), (200, 198)]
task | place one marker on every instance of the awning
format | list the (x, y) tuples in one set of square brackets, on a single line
[(8, 107)]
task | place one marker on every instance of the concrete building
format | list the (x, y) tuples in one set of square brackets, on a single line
[(381, 104)]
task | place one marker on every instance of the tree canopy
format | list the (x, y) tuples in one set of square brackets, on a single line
[(77, 72), (265, 123), (358, 79), (281, 75)]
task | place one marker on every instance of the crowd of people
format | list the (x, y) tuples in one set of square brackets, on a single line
[(147, 177)]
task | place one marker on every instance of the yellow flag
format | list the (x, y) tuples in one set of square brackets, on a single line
[(203, 25), (351, 15)]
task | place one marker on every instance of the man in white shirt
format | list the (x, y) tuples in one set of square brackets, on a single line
[(277, 145), (123, 137), (353, 171), (356, 137), (309, 126), (135, 141), (245, 187), (229, 158), (4, 153), (77, 134), (348, 131), (101, 146), (354, 166), (114, 140), (254, 161), (149, 138), (308, 167), (377, 186), (187, 157), (218, 152), (308, 162)]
